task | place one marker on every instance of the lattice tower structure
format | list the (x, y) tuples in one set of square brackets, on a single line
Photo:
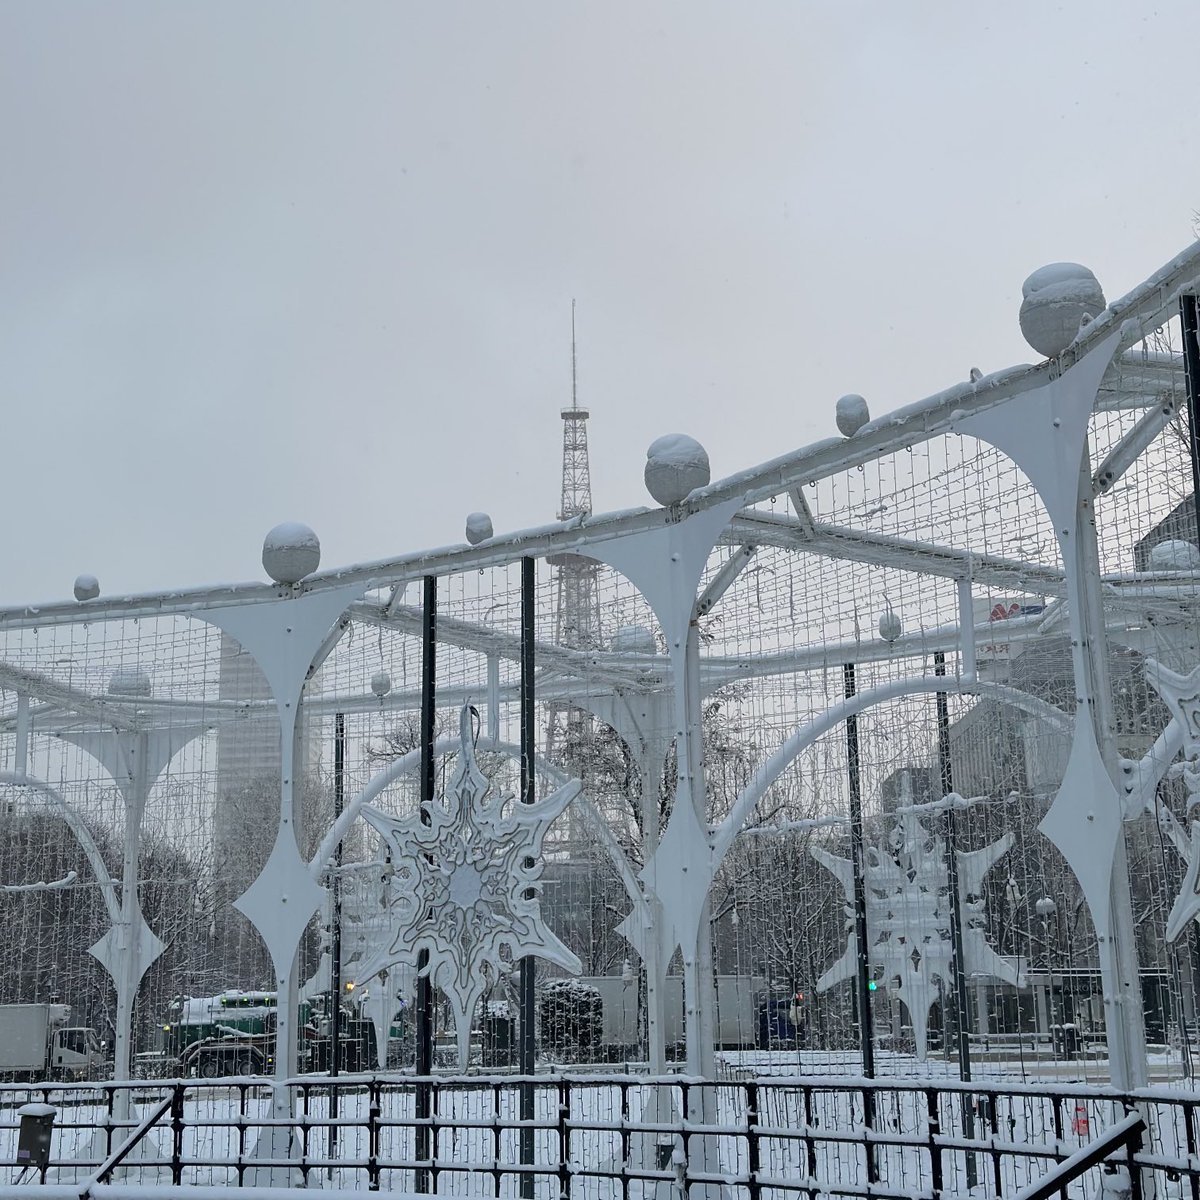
[(577, 616)]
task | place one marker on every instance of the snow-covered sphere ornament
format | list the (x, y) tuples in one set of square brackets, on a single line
[(479, 527), (1172, 555), (675, 465), (128, 681), (381, 683), (889, 625), (290, 552), (851, 414), (1057, 299), (87, 587), (633, 639)]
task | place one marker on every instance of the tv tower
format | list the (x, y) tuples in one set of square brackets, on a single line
[(577, 626)]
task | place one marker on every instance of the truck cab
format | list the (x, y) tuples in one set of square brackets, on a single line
[(76, 1053)]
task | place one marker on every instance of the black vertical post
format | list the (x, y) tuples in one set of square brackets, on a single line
[(963, 1022), (335, 932), (424, 1096), (858, 859), (866, 1030), (528, 796), (1189, 314)]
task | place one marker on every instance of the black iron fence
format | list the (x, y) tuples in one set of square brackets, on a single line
[(601, 1135)]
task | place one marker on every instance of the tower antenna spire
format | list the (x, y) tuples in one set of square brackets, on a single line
[(577, 625)]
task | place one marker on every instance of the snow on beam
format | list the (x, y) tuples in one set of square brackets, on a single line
[(468, 635), (805, 521), (1127, 451), (722, 581), (39, 687), (927, 558)]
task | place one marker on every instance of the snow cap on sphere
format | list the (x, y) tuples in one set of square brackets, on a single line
[(381, 683), (1057, 299), (479, 527), (1173, 555), (290, 552), (129, 681), (851, 414), (633, 639), (87, 587), (675, 466), (890, 627)]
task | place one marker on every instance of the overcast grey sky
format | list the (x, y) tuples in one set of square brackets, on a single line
[(268, 261)]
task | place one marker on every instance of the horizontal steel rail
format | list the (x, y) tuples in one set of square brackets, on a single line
[(761, 1138)]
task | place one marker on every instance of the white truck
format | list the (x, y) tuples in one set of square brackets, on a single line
[(37, 1043)]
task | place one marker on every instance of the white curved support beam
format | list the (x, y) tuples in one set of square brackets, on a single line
[(108, 888), (769, 772)]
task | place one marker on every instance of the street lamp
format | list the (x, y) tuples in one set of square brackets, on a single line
[(627, 977), (1045, 909)]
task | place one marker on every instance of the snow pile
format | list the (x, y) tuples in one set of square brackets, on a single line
[(675, 465), (290, 552), (1058, 299)]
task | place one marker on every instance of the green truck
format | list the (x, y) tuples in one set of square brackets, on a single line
[(232, 1033)]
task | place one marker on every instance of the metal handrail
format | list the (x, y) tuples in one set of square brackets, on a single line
[(119, 1155), (1126, 1133)]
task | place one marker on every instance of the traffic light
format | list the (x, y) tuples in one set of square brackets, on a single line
[(871, 985)]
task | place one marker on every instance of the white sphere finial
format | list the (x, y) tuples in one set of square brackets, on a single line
[(890, 627), (851, 414), (479, 527), (633, 639), (1058, 299), (381, 683), (87, 587), (1172, 554), (290, 552), (675, 466)]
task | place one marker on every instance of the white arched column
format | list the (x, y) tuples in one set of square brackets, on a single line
[(1045, 432)]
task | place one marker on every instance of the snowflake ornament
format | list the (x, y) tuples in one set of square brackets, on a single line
[(908, 917), (465, 884), (1182, 695)]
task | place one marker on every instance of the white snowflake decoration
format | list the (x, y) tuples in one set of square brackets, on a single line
[(465, 886), (1182, 695), (908, 917)]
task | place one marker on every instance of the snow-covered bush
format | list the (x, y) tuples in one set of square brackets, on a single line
[(572, 1019)]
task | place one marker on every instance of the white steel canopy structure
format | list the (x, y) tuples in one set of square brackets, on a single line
[(772, 650)]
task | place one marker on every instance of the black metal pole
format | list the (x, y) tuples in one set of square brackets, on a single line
[(963, 1022), (424, 1030), (528, 796), (858, 858), (1189, 314), (866, 1030), (335, 932)]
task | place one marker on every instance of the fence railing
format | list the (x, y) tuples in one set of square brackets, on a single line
[(618, 1136)]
